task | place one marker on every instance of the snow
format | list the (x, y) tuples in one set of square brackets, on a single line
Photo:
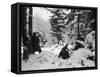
[(36, 53), (70, 47), (81, 55), (48, 59), (55, 49)]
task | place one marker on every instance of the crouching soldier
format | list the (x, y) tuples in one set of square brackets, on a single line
[(64, 54), (66, 51)]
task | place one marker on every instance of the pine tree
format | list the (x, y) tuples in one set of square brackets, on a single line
[(74, 22)]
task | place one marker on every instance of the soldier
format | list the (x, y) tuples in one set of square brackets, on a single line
[(35, 42), (64, 53)]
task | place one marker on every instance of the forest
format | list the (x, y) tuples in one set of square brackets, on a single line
[(66, 38)]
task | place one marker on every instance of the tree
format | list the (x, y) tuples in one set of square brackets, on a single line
[(58, 22), (73, 23)]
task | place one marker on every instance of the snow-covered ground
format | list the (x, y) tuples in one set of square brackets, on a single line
[(48, 59)]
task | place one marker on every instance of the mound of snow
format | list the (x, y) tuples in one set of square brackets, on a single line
[(80, 56)]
